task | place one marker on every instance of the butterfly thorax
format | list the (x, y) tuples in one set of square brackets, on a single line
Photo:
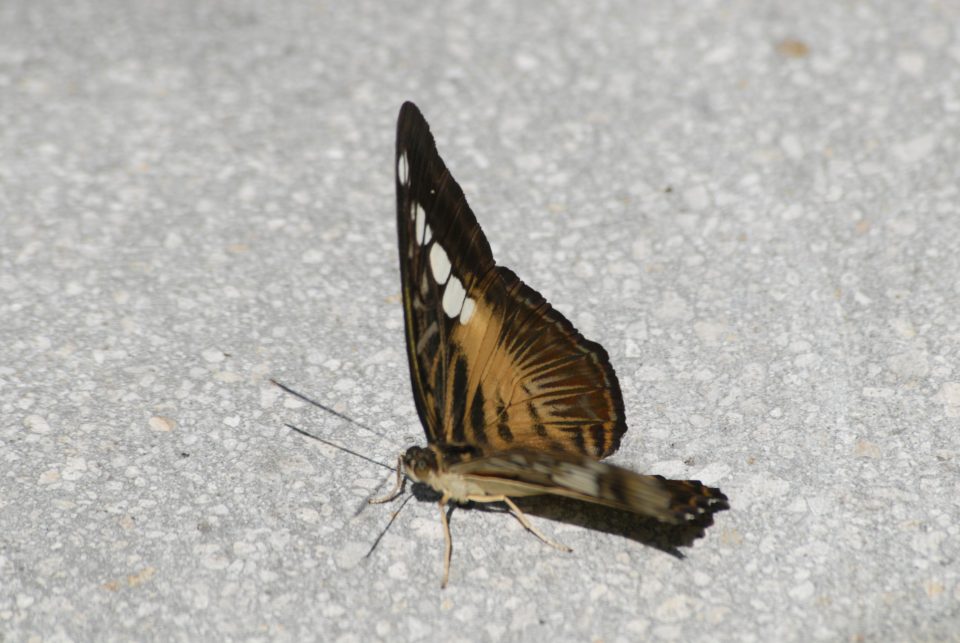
[(430, 465)]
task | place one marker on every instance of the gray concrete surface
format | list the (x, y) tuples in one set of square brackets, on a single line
[(754, 207)]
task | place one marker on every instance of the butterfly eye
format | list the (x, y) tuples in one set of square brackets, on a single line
[(419, 462)]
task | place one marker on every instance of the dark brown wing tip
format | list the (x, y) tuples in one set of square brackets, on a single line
[(411, 124), (409, 109), (448, 213), (692, 502)]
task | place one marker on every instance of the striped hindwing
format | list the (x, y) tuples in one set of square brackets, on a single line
[(526, 473), (493, 365)]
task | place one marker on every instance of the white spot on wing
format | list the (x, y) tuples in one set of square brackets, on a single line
[(428, 234), (453, 296), (439, 263), (403, 168), (467, 311), (420, 223)]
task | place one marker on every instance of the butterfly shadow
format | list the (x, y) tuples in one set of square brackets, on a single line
[(641, 529)]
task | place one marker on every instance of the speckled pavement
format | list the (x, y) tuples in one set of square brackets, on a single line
[(753, 206)]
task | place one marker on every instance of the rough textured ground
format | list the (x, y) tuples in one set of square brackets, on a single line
[(753, 206)]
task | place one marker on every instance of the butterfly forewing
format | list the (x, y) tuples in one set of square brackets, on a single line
[(492, 363), (432, 220)]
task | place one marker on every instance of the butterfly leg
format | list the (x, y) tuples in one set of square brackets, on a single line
[(449, 541), (397, 488), (519, 515)]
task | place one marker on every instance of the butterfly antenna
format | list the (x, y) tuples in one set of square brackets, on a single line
[(326, 408), (392, 518), (337, 446)]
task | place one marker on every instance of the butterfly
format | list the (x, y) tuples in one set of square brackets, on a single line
[(513, 399)]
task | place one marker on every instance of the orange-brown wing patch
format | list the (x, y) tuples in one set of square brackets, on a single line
[(528, 379)]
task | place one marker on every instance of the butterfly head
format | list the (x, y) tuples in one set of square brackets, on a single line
[(419, 463)]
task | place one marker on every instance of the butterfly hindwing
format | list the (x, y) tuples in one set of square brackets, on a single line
[(525, 472), (492, 363), (532, 380)]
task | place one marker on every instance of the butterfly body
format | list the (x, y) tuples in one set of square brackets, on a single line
[(430, 467), (514, 401)]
